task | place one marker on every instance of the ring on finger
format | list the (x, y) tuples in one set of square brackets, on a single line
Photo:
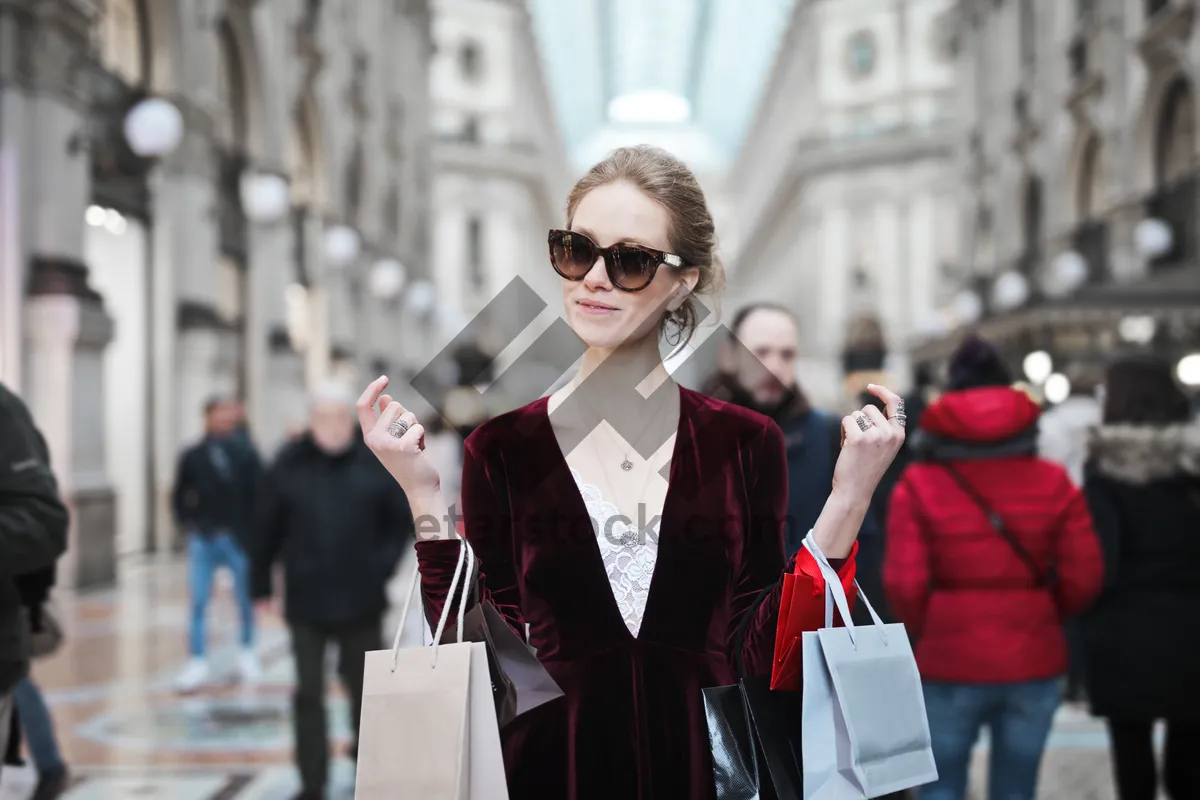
[(398, 428)]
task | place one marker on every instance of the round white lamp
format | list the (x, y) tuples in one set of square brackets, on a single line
[(1057, 388), (1188, 370), (421, 296), (967, 307), (154, 127), (387, 278), (1010, 290), (342, 245), (1153, 237), (1138, 329), (1037, 366), (1068, 271), (265, 196)]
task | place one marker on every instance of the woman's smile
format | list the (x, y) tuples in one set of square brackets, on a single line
[(596, 307)]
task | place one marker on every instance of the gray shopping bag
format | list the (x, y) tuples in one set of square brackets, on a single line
[(429, 725), (865, 732)]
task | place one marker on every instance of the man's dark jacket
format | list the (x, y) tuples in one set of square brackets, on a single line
[(206, 499), (813, 441), (33, 527), (339, 524)]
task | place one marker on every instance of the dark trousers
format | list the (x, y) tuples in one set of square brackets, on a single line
[(309, 643), (1134, 764)]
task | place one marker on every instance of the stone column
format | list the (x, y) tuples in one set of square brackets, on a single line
[(65, 328), (275, 369), (66, 334), (186, 329)]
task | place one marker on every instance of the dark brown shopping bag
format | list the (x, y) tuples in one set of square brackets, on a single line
[(428, 725), (519, 681)]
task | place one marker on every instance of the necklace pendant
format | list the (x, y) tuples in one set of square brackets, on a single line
[(627, 465)]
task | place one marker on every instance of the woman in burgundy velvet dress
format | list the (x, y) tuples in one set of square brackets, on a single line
[(627, 534)]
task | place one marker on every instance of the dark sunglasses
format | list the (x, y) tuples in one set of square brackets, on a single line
[(630, 267)]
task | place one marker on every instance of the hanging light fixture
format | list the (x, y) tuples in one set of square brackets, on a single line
[(387, 278), (1057, 388), (1010, 290), (1153, 238), (265, 196), (967, 307), (154, 127), (342, 246), (1037, 366), (1068, 271), (421, 296)]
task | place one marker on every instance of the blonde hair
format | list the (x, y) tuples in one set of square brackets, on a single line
[(666, 180)]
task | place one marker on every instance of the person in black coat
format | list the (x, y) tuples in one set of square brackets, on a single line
[(338, 523), (1142, 637), (213, 500), (33, 534)]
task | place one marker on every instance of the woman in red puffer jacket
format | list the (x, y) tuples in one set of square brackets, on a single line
[(989, 549)]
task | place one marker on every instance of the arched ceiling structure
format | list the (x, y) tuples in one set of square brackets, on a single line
[(685, 74)]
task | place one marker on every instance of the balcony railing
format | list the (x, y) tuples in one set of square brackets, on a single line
[(118, 174), (1176, 205), (1090, 240)]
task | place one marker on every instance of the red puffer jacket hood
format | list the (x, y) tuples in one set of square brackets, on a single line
[(980, 416), (982, 613)]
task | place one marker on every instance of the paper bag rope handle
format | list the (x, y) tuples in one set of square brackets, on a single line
[(465, 555), (836, 595)]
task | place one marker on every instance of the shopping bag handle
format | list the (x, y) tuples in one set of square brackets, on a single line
[(465, 555), (836, 595)]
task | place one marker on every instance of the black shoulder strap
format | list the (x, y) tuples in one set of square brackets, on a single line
[(998, 524)]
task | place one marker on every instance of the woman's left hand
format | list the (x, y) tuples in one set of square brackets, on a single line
[(866, 454)]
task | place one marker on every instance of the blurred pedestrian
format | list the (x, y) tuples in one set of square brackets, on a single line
[(216, 482), (37, 723), (1142, 637), (758, 371), (33, 534), (339, 524), (990, 548)]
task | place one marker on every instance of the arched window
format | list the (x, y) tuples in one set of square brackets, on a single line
[(231, 86), (1175, 143), (1089, 184), (124, 41)]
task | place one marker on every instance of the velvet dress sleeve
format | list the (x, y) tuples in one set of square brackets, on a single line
[(762, 557), (487, 525)]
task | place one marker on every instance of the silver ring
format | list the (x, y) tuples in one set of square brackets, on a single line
[(900, 416), (863, 423), (398, 428)]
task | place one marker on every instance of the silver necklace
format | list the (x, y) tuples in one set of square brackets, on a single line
[(626, 464)]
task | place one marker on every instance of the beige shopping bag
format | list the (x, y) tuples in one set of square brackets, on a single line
[(429, 726)]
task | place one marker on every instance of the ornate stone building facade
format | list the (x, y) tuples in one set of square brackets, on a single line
[(501, 168), (1078, 161), (244, 237), (845, 186)]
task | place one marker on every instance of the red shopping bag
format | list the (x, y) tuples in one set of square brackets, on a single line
[(802, 608)]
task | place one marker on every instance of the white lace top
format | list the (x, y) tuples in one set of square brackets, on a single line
[(628, 558)]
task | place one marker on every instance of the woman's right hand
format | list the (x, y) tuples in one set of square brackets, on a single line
[(403, 457)]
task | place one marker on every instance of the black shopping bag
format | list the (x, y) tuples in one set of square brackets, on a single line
[(754, 734)]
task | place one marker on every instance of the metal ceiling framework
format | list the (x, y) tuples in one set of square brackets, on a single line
[(715, 54)]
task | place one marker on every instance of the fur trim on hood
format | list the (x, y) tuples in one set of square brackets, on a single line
[(1141, 454)]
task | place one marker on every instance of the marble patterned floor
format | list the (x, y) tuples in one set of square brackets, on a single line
[(127, 734)]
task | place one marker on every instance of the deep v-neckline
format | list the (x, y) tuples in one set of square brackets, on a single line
[(664, 527)]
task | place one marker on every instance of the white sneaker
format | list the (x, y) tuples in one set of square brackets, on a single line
[(193, 676), (249, 667)]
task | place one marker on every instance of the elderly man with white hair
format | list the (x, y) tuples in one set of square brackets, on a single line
[(337, 523)]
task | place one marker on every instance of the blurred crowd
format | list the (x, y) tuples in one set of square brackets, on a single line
[(1036, 556)]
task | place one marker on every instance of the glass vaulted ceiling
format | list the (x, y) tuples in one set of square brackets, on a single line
[(684, 74)]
